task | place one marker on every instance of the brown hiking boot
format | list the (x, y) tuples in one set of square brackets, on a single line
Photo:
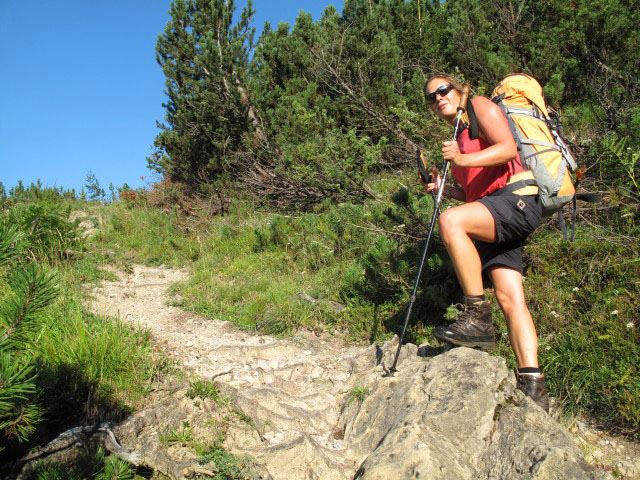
[(473, 326), (535, 388)]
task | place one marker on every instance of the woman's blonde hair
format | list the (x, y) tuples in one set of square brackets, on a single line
[(456, 84)]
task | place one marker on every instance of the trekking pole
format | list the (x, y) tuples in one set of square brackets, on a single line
[(436, 206)]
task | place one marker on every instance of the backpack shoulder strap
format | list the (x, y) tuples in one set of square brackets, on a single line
[(473, 121)]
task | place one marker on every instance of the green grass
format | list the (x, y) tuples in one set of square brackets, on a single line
[(243, 417), (358, 394), (585, 297), (98, 352), (252, 270), (227, 466), (94, 464), (144, 235), (180, 436), (87, 368), (202, 389), (253, 264)]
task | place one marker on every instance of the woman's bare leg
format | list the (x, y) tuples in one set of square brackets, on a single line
[(522, 332), (459, 226)]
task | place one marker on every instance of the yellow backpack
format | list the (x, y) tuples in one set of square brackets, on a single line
[(539, 139)]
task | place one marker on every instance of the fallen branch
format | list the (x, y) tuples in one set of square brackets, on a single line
[(380, 230)]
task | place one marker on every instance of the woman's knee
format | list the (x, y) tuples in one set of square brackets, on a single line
[(448, 225), (511, 301), (505, 300)]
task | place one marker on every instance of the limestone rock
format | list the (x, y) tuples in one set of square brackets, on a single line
[(330, 305), (457, 415)]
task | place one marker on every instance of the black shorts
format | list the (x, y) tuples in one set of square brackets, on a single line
[(516, 216)]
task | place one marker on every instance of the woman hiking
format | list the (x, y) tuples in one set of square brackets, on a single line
[(484, 235)]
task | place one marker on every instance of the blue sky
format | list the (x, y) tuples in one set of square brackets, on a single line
[(80, 89)]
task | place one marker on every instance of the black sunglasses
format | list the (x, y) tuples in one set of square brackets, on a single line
[(442, 90)]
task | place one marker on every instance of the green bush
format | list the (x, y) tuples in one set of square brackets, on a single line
[(60, 365), (35, 193), (145, 235), (28, 289), (47, 226), (615, 161)]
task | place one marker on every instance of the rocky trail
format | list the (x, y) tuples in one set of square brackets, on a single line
[(313, 407), (295, 386)]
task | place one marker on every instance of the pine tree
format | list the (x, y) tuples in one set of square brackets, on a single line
[(96, 192), (204, 58), (281, 66)]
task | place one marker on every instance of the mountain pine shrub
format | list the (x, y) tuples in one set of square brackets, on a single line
[(27, 290)]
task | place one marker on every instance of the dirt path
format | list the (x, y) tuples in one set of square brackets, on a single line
[(296, 386)]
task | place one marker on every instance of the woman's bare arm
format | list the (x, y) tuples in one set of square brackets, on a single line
[(494, 129)]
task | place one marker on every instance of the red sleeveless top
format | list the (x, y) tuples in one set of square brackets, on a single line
[(478, 182)]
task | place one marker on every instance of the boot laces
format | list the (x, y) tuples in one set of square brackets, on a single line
[(465, 314)]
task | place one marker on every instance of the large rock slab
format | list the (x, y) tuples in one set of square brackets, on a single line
[(456, 415)]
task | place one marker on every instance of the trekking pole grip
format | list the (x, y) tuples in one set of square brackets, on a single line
[(466, 88), (462, 106)]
